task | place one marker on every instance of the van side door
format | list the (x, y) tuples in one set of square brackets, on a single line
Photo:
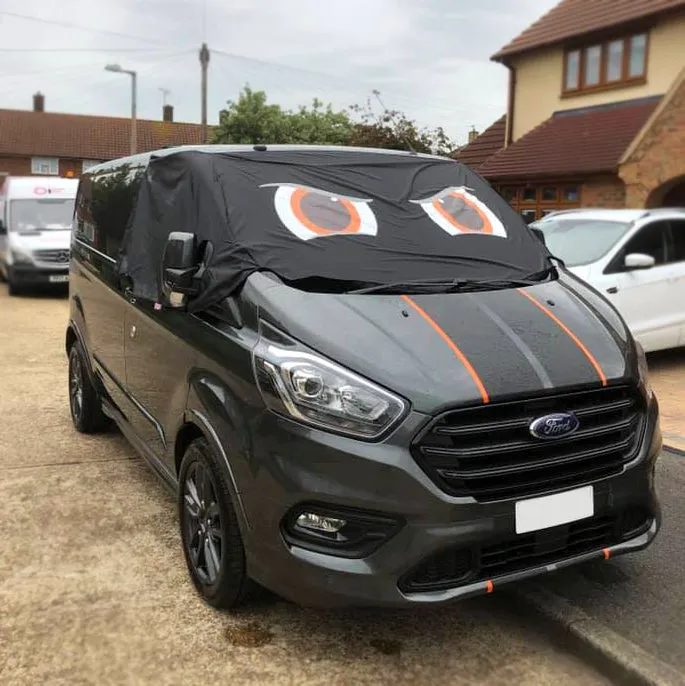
[(642, 295)]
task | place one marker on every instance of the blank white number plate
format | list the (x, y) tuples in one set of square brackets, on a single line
[(59, 278), (554, 510)]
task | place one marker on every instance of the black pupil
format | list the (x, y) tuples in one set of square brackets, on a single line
[(325, 212), (462, 213)]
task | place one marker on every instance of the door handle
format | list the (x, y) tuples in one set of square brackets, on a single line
[(612, 290)]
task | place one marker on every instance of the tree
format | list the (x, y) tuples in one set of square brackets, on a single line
[(393, 130), (251, 120)]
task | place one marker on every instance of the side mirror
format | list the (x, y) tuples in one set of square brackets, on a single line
[(180, 263), (539, 234), (638, 260), (3, 228)]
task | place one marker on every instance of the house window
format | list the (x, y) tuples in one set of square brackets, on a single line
[(87, 164), (572, 70), (45, 166), (534, 201), (621, 61), (638, 56)]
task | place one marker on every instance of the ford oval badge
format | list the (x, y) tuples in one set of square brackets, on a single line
[(551, 426)]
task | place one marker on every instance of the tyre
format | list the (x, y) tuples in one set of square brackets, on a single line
[(212, 544), (84, 402), (13, 287)]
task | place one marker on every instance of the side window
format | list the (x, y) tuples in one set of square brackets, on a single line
[(677, 251), (84, 229), (650, 240), (113, 196)]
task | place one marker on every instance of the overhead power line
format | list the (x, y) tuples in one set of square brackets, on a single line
[(69, 25)]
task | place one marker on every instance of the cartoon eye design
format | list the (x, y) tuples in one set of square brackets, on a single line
[(311, 213), (457, 211)]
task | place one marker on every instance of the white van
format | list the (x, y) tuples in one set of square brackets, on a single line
[(36, 214)]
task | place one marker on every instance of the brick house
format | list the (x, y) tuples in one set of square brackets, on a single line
[(50, 143), (596, 110)]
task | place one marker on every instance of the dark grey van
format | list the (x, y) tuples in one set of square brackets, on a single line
[(367, 380)]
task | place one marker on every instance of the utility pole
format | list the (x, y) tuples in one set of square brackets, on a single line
[(204, 63)]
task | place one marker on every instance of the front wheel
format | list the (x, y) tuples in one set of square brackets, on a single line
[(212, 544)]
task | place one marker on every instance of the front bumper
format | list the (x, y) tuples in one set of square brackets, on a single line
[(303, 465), (30, 274)]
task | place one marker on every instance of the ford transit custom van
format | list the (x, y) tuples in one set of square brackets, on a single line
[(367, 381)]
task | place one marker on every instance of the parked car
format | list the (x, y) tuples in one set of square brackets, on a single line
[(35, 228), (635, 258), (361, 373)]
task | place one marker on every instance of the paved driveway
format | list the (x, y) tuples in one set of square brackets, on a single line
[(667, 372), (93, 588)]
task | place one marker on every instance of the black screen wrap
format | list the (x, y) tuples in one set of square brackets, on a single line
[(363, 218)]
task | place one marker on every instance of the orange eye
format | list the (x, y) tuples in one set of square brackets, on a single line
[(457, 211), (311, 213)]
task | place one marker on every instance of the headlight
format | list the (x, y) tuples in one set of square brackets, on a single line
[(643, 370), (21, 257), (312, 390)]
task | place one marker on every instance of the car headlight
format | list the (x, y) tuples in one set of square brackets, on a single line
[(21, 257), (643, 370), (313, 390)]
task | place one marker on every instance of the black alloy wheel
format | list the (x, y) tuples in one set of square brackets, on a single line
[(204, 531), (84, 402), (212, 541)]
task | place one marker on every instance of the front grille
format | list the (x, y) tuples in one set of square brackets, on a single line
[(455, 567), (52, 256), (488, 452)]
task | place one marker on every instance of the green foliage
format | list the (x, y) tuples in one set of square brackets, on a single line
[(252, 120)]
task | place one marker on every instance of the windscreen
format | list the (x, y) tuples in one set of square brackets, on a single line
[(41, 214), (326, 220), (581, 241)]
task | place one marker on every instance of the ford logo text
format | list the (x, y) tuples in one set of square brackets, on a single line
[(553, 426)]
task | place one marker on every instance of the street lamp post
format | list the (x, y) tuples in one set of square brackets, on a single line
[(117, 69)]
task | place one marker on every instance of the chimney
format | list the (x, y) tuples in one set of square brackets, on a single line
[(473, 134), (38, 102), (168, 113)]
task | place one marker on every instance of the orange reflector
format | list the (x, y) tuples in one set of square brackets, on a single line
[(607, 553), (489, 586)]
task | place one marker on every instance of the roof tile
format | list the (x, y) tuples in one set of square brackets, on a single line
[(576, 17), (586, 141), (487, 144), (51, 134)]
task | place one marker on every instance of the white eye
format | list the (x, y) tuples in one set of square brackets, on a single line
[(311, 213), (457, 211)]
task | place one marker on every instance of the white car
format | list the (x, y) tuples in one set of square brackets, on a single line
[(635, 258)]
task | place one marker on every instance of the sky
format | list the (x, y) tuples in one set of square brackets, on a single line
[(428, 58)]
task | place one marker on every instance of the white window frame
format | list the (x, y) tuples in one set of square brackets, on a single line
[(38, 165), (87, 164)]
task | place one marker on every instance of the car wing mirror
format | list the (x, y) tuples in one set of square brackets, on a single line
[(3, 228), (180, 264), (638, 260)]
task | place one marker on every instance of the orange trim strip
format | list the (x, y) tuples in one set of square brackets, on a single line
[(452, 345), (570, 334), (607, 553), (490, 587)]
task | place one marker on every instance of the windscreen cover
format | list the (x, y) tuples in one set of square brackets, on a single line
[(333, 217)]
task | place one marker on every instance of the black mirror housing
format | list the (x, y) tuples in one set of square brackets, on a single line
[(181, 263), (3, 228)]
